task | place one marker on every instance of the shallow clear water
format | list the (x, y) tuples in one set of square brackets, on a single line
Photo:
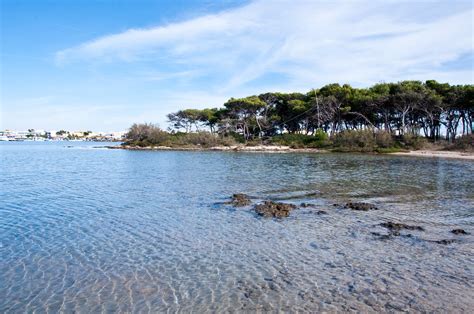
[(86, 229)]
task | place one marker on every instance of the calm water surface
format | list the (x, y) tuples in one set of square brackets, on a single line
[(89, 230)]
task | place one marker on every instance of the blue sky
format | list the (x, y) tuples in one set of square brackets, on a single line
[(102, 65)]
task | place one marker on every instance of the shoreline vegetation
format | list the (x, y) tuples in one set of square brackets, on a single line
[(406, 118)]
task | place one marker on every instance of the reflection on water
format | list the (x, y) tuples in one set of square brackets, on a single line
[(85, 229)]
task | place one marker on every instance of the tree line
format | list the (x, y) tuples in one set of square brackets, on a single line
[(430, 109)]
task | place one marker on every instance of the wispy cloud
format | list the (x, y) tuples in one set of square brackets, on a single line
[(270, 45), (351, 41)]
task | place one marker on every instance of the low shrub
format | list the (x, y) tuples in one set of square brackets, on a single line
[(318, 140), (355, 141), (239, 138), (364, 141), (410, 141), (384, 139), (463, 143), (202, 139), (144, 135), (254, 142)]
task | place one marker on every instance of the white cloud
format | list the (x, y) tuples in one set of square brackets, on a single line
[(360, 42), (271, 45)]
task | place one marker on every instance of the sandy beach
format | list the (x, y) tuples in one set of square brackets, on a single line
[(437, 154)]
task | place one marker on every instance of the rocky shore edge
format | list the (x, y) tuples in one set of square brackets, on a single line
[(288, 149), (234, 148)]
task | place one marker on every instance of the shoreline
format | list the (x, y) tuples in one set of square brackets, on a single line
[(235, 148), (436, 154), (288, 149)]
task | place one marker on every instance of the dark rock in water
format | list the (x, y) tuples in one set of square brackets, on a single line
[(444, 241), (321, 212), (273, 209), (381, 236), (390, 235), (361, 206), (240, 199), (304, 205), (395, 226), (459, 231)]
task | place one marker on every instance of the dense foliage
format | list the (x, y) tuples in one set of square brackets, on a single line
[(406, 109), (398, 108), (147, 134)]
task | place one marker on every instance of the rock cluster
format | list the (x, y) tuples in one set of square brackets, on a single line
[(444, 241), (459, 231), (240, 200), (273, 209), (361, 206), (395, 226)]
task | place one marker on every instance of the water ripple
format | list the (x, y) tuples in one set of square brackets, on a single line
[(89, 230)]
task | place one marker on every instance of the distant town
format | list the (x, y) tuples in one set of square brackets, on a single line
[(61, 135)]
